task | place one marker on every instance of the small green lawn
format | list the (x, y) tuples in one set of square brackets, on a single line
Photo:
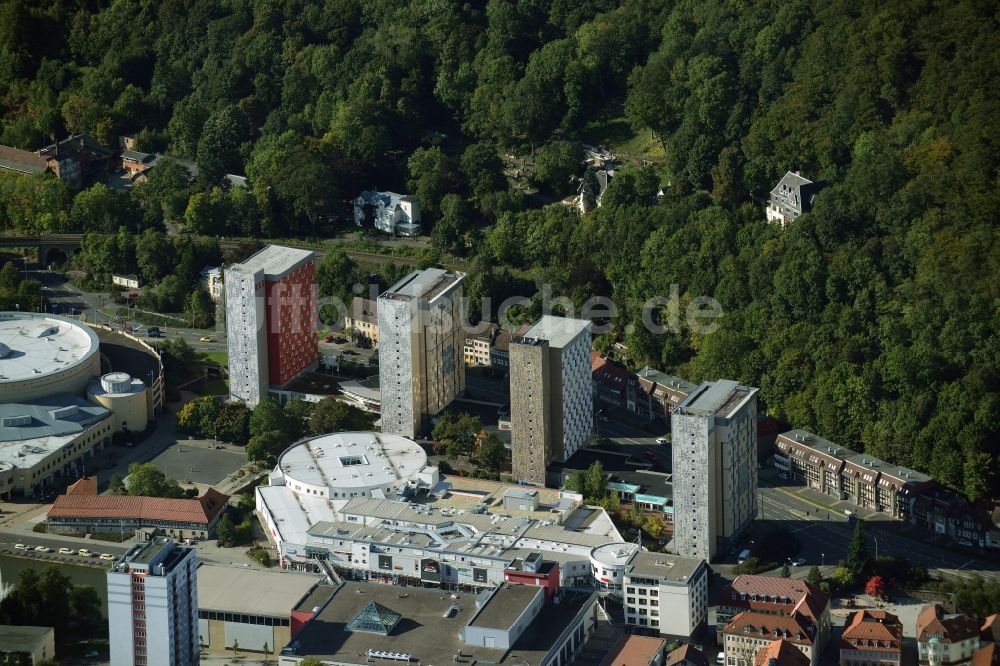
[(219, 358), (617, 134)]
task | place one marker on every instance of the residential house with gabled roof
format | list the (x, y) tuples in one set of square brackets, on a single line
[(610, 380), (781, 652), (478, 343), (592, 186), (362, 319), (872, 638), (769, 595), (652, 395), (395, 214), (792, 196), (945, 639), (751, 633)]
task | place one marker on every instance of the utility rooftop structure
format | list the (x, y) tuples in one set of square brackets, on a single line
[(351, 464), (270, 320), (714, 449), (43, 355), (551, 402), (421, 369), (369, 623)]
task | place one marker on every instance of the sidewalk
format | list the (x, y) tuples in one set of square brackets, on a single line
[(881, 523)]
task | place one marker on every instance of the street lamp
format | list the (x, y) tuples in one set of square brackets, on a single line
[(876, 544), (822, 559)]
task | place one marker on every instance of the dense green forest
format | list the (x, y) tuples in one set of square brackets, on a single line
[(871, 320)]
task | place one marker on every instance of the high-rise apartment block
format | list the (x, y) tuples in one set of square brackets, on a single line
[(551, 397), (153, 605), (421, 369), (714, 467), (270, 320)]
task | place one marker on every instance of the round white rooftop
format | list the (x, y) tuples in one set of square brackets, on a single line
[(614, 554), (351, 462), (35, 346)]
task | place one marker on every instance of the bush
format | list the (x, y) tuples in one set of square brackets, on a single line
[(750, 566), (41, 527)]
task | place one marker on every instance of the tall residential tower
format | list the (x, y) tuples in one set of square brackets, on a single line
[(714, 467), (270, 320), (421, 369), (153, 606), (551, 399)]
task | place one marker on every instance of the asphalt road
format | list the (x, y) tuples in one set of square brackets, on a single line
[(58, 291), (633, 440), (824, 540)]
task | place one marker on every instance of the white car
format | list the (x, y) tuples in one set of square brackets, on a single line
[(107, 556), (20, 546), (42, 549), (661, 440), (67, 551), (83, 552), (721, 659)]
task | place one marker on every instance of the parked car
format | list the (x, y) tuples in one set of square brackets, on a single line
[(42, 549), (152, 332), (721, 658), (20, 546), (661, 440), (107, 556), (743, 556), (83, 552), (67, 551), (207, 338)]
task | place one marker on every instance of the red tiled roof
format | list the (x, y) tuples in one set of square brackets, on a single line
[(689, 654), (879, 627), (631, 650), (988, 655), (953, 628), (123, 507), (760, 625), (771, 594), (606, 372), (990, 631), (783, 652), (84, 486)]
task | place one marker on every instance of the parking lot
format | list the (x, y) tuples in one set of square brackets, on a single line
[(198, 461)]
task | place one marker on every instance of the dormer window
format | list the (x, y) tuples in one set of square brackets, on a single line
[(734, 596), (747, 629)]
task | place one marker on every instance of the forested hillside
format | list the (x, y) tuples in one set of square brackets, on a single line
[(871, 320)]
